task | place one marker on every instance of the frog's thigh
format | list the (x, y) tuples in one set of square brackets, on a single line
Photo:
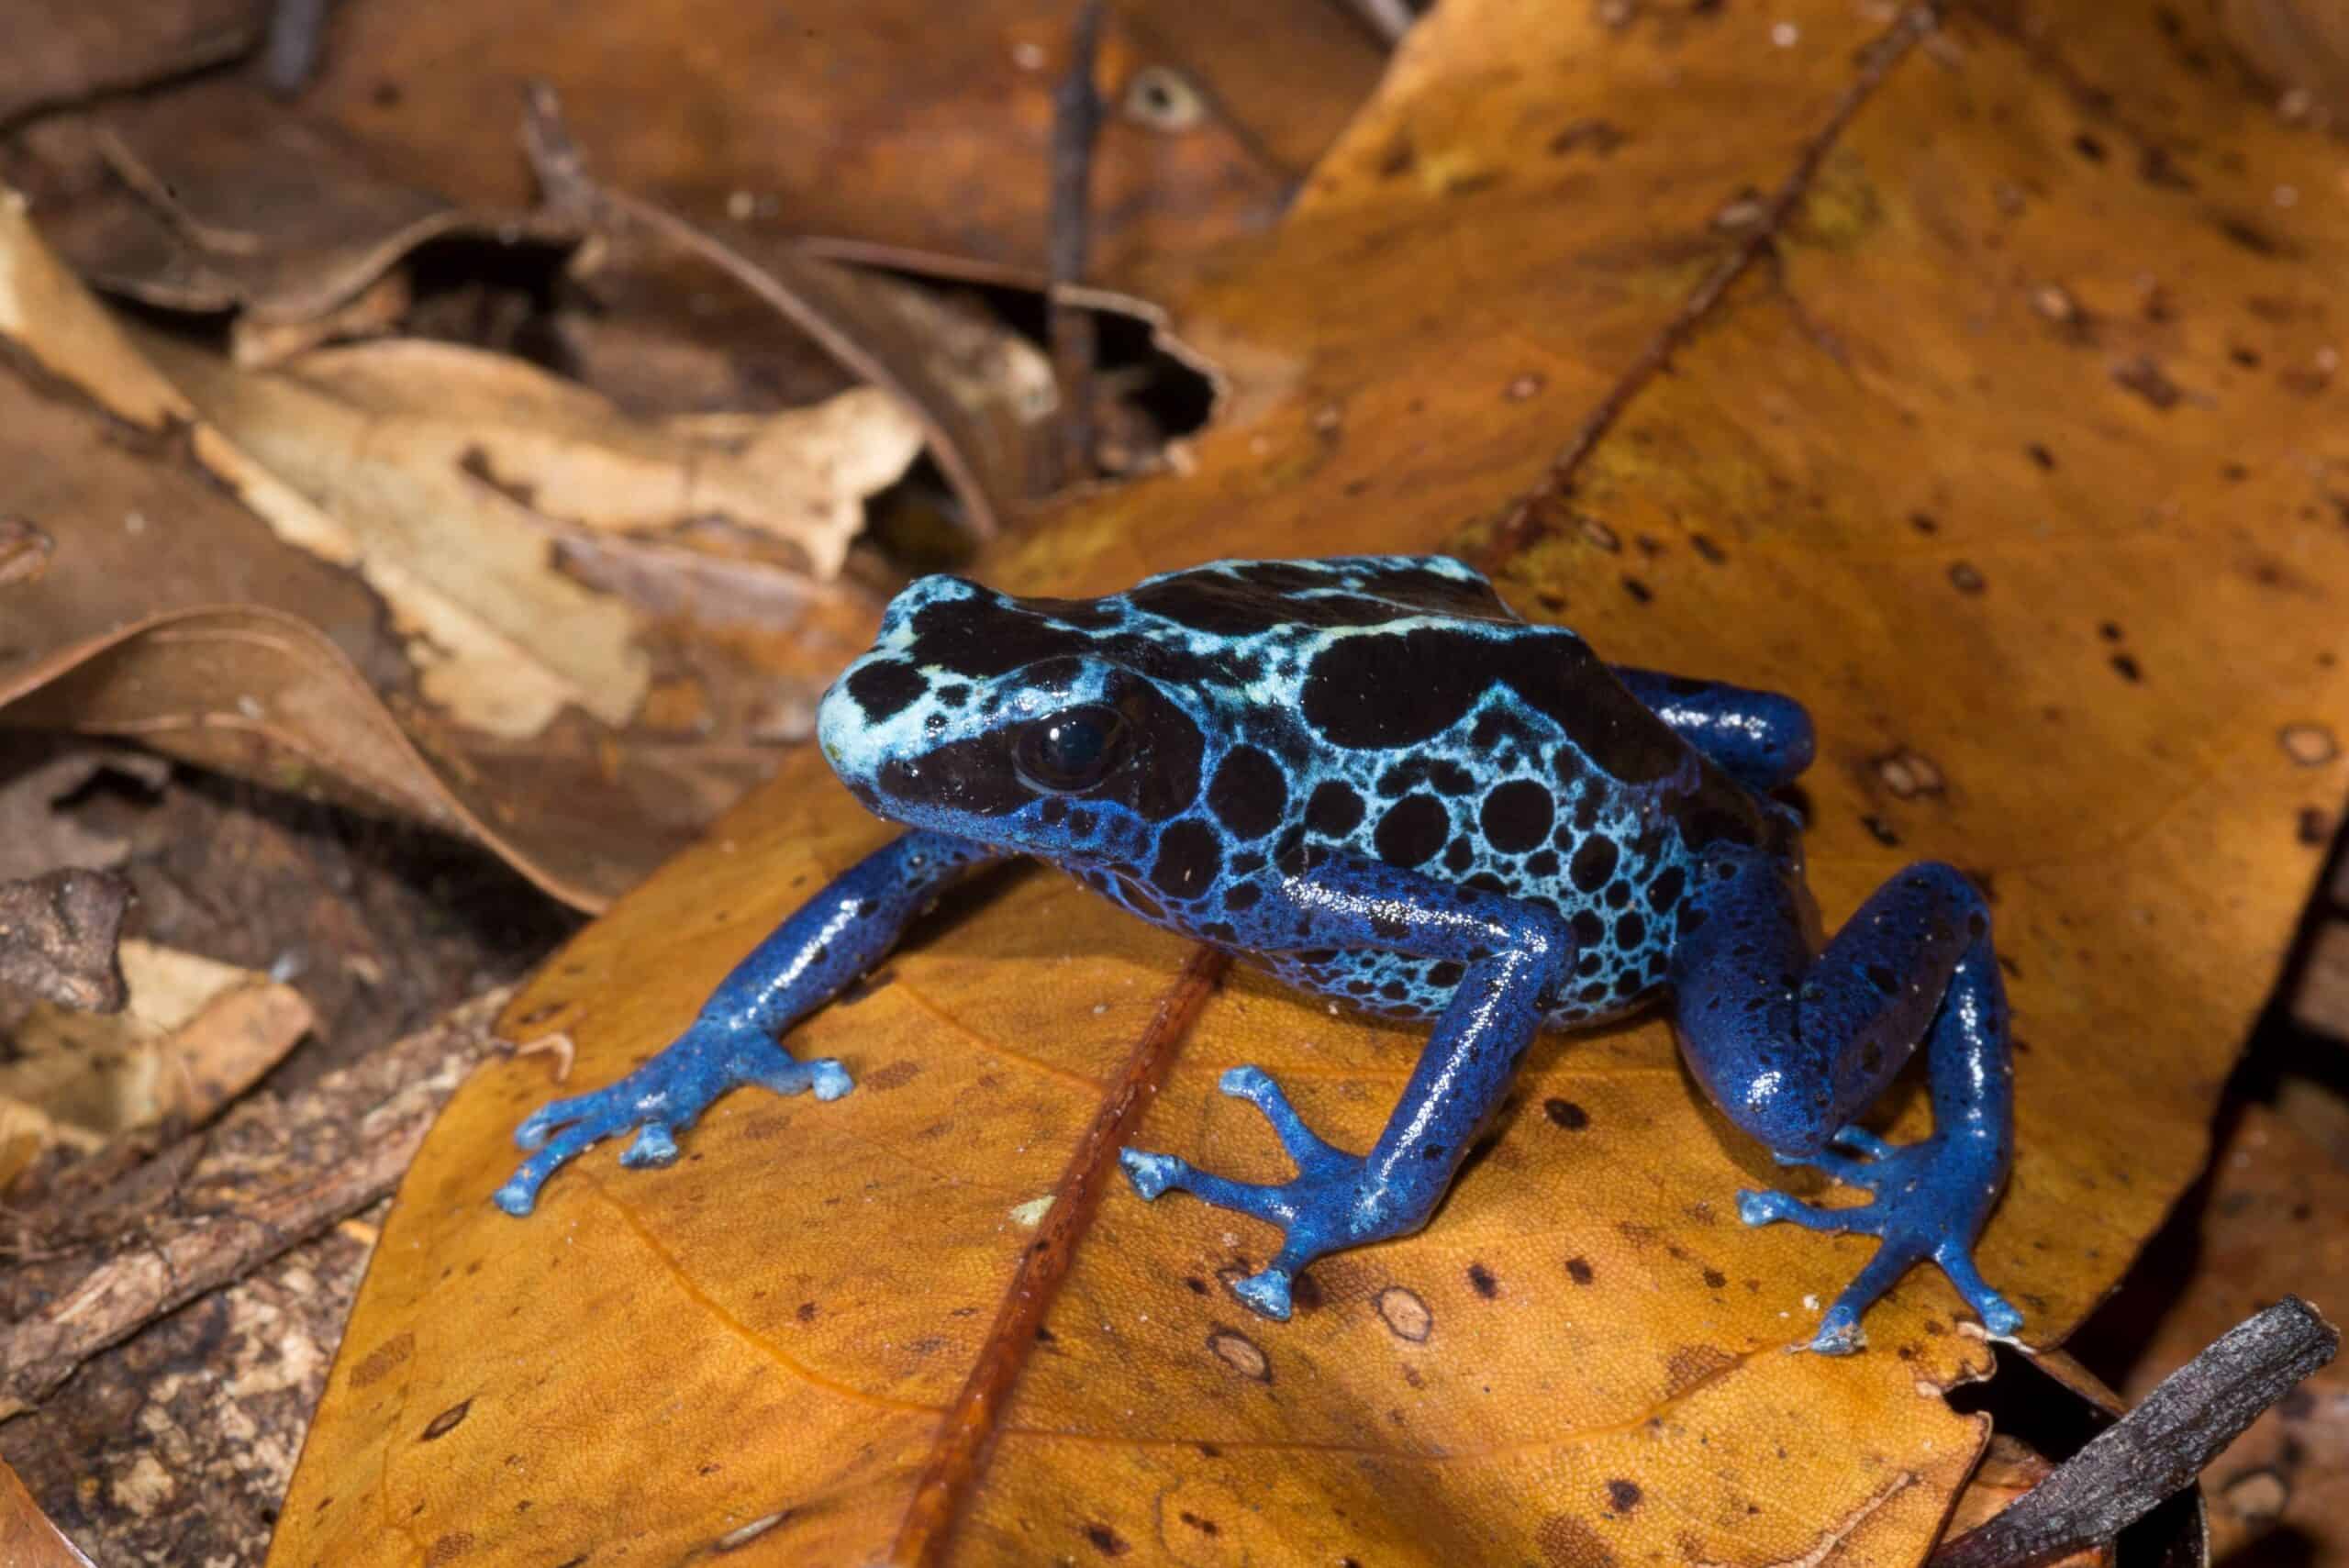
[(1762, 738)]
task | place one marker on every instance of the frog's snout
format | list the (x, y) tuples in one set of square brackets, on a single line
[(843, 730)]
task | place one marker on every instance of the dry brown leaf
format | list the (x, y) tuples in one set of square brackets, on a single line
[(217, 197), (869, 121), (62, 50), (193, 1036), (500, 641), (562, 452), (1974, 534), (263, 695), (139, 547), (35, 837), (27, 1538)]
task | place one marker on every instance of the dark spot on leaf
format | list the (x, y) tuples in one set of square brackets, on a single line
[(1565, 1114), (1622, 1495), (1240, 1354), (447, 1421), (1481, 1279)]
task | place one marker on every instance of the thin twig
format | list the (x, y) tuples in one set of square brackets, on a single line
[(966, 1437), (1077, 127), (297, 34), (2156, 1449), (274, 1173), (1540, 510)]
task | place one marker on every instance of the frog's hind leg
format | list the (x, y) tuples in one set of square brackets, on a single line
[(1792, 1047), (1512, 954), (1763, 740)]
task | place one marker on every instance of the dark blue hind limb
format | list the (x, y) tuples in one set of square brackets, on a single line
[(1762, 739), (1513, 952), (829, 940), (1793, 1047)]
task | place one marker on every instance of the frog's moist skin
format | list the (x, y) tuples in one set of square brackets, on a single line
[(1370, 778)]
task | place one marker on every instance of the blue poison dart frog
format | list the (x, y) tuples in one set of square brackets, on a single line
[(1372, 779)]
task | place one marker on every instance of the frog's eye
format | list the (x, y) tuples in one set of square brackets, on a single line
[(1072, 750)]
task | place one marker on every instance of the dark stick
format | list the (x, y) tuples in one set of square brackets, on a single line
[(1076, 125), (2156, 1449), (297, 31)]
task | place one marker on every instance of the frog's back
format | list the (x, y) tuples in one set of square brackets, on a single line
[(1393, 709)]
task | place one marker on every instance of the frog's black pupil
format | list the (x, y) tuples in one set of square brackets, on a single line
[(1072, 750)]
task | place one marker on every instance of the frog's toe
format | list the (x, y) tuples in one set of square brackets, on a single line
[(1767, 1208), (1152, 1173), (1303, 1145), (1265, 1293), (1839, 1331), (1860, 1140), (654, 1146), (1999, 1318), (826, 1078), (552, 1118), (519, 1195)]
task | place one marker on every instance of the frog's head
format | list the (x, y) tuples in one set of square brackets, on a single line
[(1058, 728)]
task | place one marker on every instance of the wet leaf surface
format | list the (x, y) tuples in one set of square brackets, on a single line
[(1912, 460)]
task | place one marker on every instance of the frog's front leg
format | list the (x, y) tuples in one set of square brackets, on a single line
[(1792, 1047), (1513, 952), (829, 940)]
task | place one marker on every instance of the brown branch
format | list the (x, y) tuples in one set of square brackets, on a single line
[(958, 1456), (2156, 1449), (1540, 510), (274, 1173)]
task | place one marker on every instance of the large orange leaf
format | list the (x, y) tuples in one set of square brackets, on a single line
[(1969, 383)]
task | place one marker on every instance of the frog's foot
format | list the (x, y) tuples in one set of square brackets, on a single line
[(658, 1101), (1324, 1209), (1931, 1199)]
